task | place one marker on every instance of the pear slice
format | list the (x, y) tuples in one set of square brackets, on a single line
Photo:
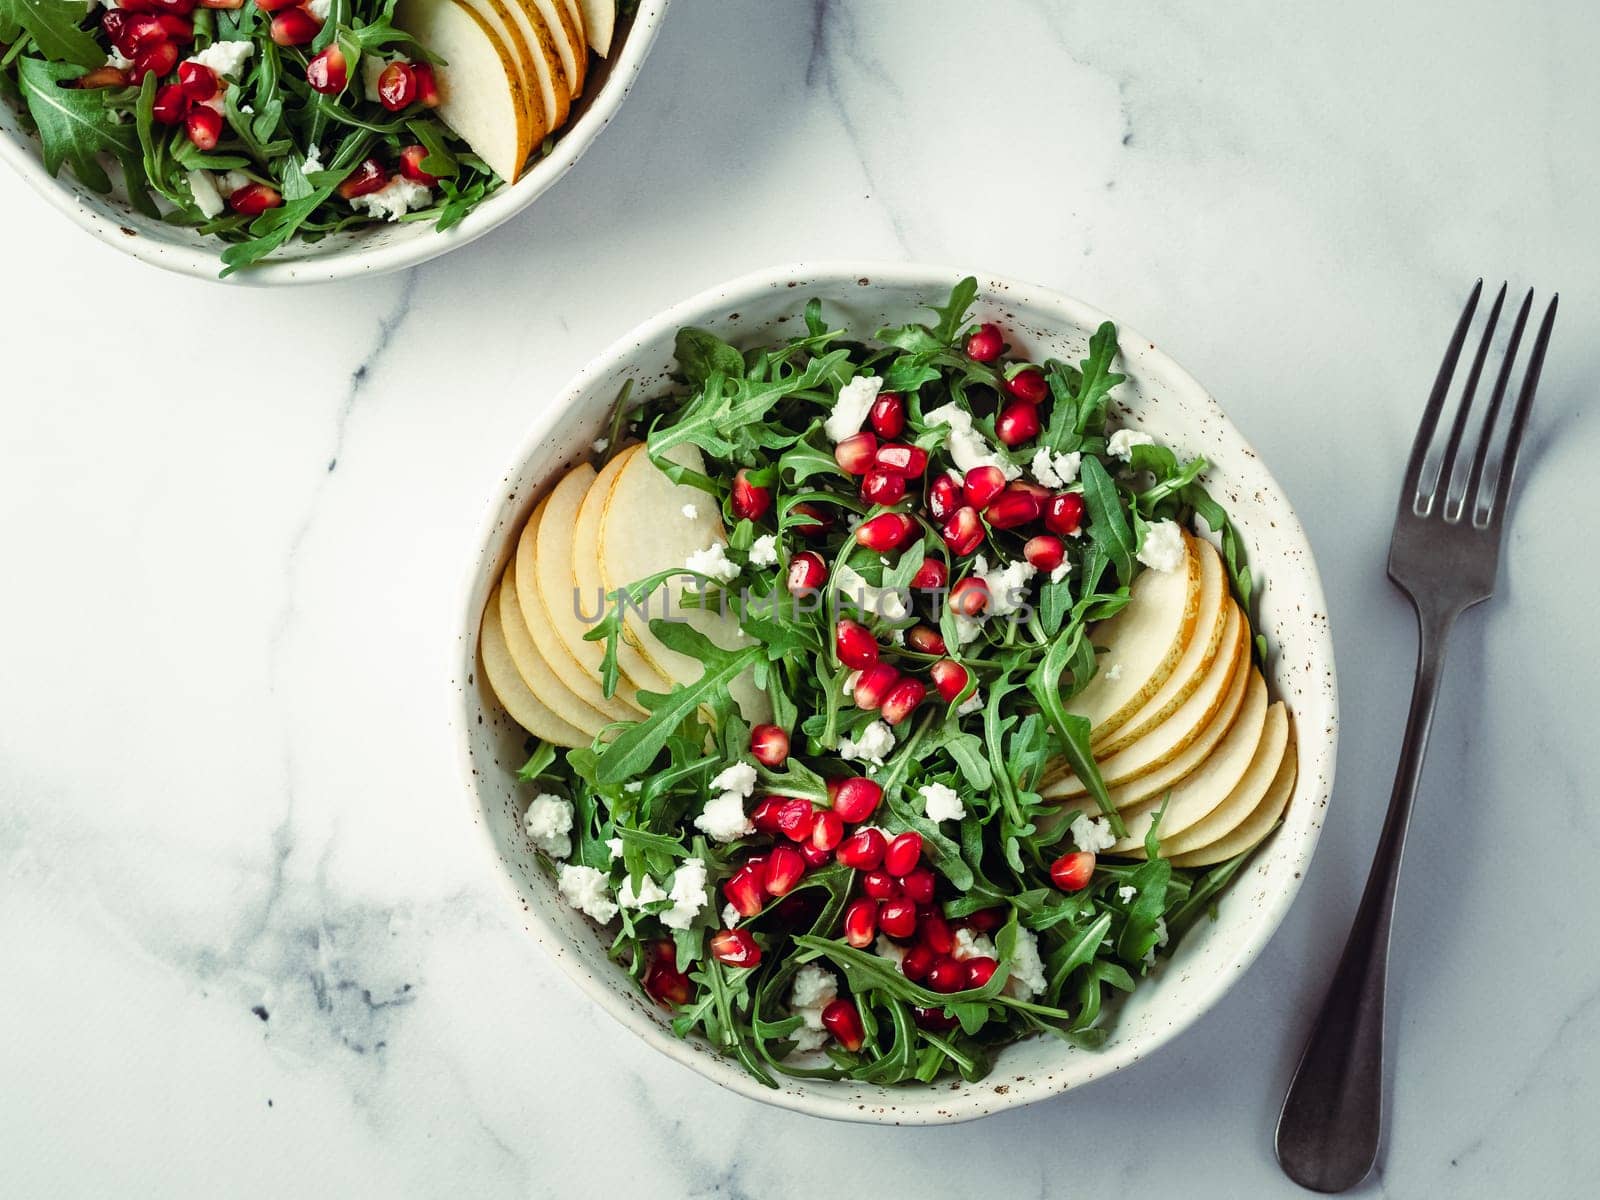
[(566, 34), (1194, 798), (535, 671), (591, 584), (549, 604), (1143, 645), (500, 670), (1254, 827), (1246, 795), (481, 92), (501, 16), (648, 527), (535, 19), (599, 22), (1209, 627)]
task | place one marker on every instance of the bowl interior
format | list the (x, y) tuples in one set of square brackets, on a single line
[(1158, 396)]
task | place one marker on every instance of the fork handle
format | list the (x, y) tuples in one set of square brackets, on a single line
[(1331, 1124)]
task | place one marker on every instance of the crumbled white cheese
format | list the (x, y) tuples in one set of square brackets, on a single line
[(225, 58), (1008, 585), (649, 892), (1092, 833), (713, 561), (731, 916), (1163, 548), (973, 945), (814, 989), (1055, 470), (372, 66), (764, 550), (876, 740), (600, 443), (114, 57), (615, 846), (967, 628), (1027, 976), (688, 895), (738, 777), (203, 189), (313, 160), (1057, 574), (851, 409), (585, 889), (690, 512), (394, 199), (724, 819), (1126, 893), (231, 181), (941, 802), (966, 445), (549, 822), (884, 948), (971, 704), (319, 8), (1113, 672), (633, 785), (1123, 441), (1161, 931), (890, 603)]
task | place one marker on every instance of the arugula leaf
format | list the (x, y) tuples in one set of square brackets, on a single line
[(75, 126), (273, 228), (1108, 526), (53, 25), (702, 354), (953, 313)]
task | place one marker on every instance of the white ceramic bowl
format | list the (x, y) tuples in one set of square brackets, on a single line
[(373, 250), (1159, 396)]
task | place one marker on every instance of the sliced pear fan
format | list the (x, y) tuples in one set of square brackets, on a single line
[(1258, 824), (535, 671), (500, 670), (599, 22), (566, 31), (550, 79)]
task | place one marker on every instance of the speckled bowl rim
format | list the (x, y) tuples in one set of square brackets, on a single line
[(916, 1105), (350, 260)]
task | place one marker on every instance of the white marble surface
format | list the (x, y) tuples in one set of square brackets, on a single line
[(233, 524)]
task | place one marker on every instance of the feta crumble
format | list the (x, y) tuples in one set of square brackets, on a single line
[(884, 948), (115, 59), (203, 189), (967, 628), (1126, 893), (585, 889), (690, 512), (738, 777), (971, 704), (1057, 574), (1027, 977), (1163, 548), (814, 989), (730, 916), (313, 160), (1123, 441), (876, 740), (1092, 833), (1008, 585), (615, 846), (851, 409), (688, 895), (889, 603), (973, 945), (1113, 672), (225, 58), (319, 8), (548, 822), (393, 200), (372, 66), (764, 550), (724, 819), (1055, 470), (966, 445), (600, 444), (713, 561), (941, 802), (649, 893)]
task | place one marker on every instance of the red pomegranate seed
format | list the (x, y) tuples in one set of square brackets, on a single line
[(935, 933), (944, 497), (985, 920), (296, 27), (903, 854), (170, 104), (223, 4), (874, 686), (916, 964), (807, 572), (1012, 507), (735, 947), (985, 343), (1063, 514), (947, 975), (880, 885), (1028, 385), (764, 816), (254, 199), (918, 886), (854, 643), (397, 86), (275, 5), (749, 501), (885, 532), (903, 699), (880, 487), (411, 158), (1045, 552), (328, 72), (925, 639), (842, 1019), (794, 820), (903, 459), (855, 455), (969, 597), (427, 85), (862, 850), (983, 485), (178, 30), (663, 982), (770, 745), (369, 177), (860, 922), (963, 532), (131, 33), (745, 891), (934, 1020), (888, 415), (855, 799), (931, 575), (157, 60), (782, 870), (980, 970), (1071, 872), (816, 526), (199, 82), (181, 8), (950, 677), (898, 919), (102, 77), (1018, 422), (827, 829), (815, 855), (204, 127)]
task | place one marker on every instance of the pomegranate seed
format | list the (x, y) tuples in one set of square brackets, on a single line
[(880, 885), (770, 745), (856, 453), (328, 72), (827, 829), (874, 686), (254, 199), (888, 415), (903, 459), (983, 485), (157, 60), (963, 532), (427, 85), (934, 1020), (411, 165), (1071, 872), (1063, 514), (882, 488), (950, 677), (663, 982), (296, 27), (935, 932), (985, 920), (903, 699), (980, 970), (275, 5), (855, 645), (103, 77), (170, 104), (855, 800), (885, 532), (918, 886), (969, 597), (903, 854), (925, 639), (807, 572), (898, 919), (1018, 422), (916, 964), (931, 575), (1045, 552), (736, 947), (842, 1019), (783, 869), (223, 4), (947, 975), (199, 82), (985, 343), (1028, 386), (764, 816), (1012, 507), (794, 819), (814, 528), (863, 849), (397, 86), (861, 922), (181, 8), (749, 501), (204, 127), (745, 891), (944, 497), (815, 855), (132, 33), (367, 178), (177, 29)]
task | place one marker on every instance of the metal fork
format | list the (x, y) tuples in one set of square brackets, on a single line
[(1444, 556)]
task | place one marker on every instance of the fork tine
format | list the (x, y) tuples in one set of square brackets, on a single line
[(1410, 490), (1475, 481), (1447, 464), (1519, 419)]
